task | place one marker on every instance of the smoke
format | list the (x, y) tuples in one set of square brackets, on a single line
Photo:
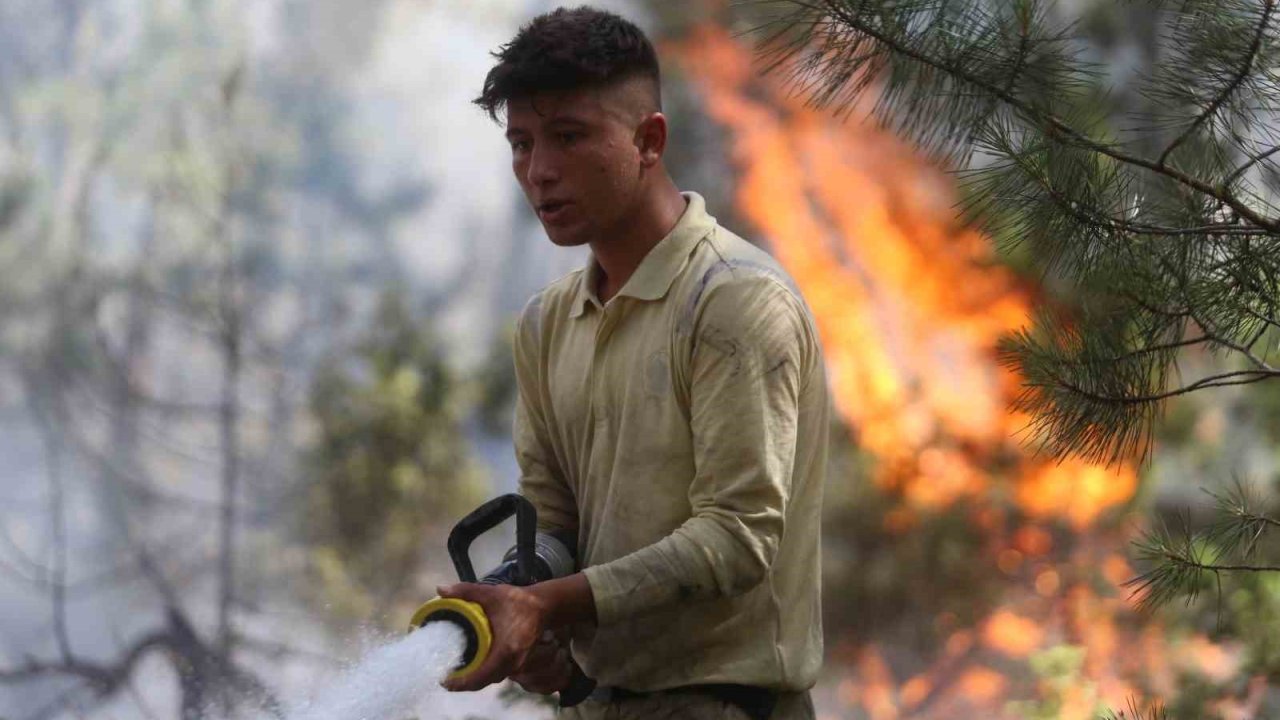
[(403, 74)]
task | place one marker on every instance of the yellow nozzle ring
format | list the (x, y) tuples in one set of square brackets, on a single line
[(470, 618)]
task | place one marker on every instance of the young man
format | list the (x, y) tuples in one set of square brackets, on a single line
[(672, 411)]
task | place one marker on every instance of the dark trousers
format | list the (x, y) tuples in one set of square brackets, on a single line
[(685, 706)]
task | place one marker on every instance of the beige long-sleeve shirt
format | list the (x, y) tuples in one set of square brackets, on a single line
[(681, 429)]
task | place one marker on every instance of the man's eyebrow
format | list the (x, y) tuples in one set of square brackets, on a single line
[(568, 120), (561, 121)]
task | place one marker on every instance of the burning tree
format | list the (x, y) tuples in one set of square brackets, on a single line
[(1169, 229), (1150, 212)]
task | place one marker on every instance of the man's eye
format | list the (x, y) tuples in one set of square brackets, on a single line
[(520, 145), (568, 137)]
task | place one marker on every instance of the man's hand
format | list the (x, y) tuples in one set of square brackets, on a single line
[(548, 668), (517, 618)]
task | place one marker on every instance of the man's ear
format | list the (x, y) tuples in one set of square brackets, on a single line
[(651, 138)]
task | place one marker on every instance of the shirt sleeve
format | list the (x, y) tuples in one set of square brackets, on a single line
[(752, 349), (542, 479)]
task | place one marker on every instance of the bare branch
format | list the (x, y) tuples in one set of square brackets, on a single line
[(57, 513), (231, 339), (105, 679), (200, 668)]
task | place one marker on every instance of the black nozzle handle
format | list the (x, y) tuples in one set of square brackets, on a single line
[(485, 518)]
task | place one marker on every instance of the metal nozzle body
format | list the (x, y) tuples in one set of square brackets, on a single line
[(551, 559)]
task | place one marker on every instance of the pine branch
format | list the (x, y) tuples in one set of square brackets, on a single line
[(1219, 338), (1177, 567), (1179, 572), (1092, 390), (1057, 129), (1267, 322), (1254, 160), (1225, 379), (1143, 351), (1179, 561), (1152, 239), (1154, 711), (1245, 69), (1085, 212), (1240, 525)]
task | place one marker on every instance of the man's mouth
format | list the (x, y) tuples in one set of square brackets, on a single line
[(552, 210)]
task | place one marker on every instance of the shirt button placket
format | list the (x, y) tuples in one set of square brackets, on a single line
[(608, 320)]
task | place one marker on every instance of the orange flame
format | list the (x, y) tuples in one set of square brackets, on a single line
[(910, 306), (1012, 634)]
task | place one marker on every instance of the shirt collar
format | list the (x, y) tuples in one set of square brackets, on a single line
[(659, 268)]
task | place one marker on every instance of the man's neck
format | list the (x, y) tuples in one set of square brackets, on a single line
[(620, 255)]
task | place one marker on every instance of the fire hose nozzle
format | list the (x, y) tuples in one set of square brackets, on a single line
[(468, 617), (536, 557)]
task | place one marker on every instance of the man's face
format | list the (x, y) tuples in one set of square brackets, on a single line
[(576, 157)]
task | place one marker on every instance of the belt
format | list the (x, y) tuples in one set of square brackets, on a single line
[(756, 702)]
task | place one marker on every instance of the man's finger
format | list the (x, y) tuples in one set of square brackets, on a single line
[(463, 591)]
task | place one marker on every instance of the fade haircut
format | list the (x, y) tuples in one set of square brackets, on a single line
[(567, 50)]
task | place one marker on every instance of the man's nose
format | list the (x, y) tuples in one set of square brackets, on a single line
[(542, 168)]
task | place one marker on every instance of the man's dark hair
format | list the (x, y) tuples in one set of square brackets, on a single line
[(565, 50)]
